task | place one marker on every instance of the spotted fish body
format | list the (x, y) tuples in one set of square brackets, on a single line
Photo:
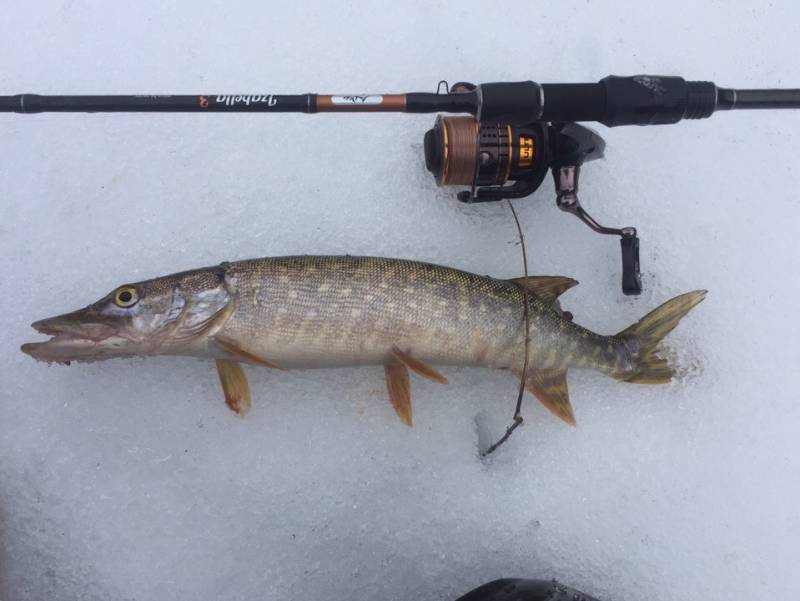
[(339, 311), (305, 312)]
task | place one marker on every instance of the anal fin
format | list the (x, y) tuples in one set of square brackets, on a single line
[(234, 385), (550, 387), (418, 367), (236, 350), (399, 386)]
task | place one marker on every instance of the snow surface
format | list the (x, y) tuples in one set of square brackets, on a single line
[(131, 479)]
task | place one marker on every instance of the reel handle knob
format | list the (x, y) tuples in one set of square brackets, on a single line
[(631, 276)]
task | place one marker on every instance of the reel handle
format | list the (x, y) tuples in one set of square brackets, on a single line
[(575, 144)]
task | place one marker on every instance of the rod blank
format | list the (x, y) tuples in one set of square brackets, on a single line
[(759, 99), (35, 103)]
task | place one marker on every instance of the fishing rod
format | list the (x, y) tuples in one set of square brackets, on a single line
[(509, 136)]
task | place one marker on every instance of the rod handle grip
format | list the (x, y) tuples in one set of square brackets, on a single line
[(637, 100)]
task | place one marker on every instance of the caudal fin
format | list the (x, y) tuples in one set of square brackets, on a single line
[(645, 335)]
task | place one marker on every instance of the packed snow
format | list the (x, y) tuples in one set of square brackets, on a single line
[(131, 479)]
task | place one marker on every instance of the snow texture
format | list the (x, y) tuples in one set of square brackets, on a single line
[(131, 479)]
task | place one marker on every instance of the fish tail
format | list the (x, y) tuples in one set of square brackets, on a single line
[(644, 337)]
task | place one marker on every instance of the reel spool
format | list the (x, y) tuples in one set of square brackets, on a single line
[(460, 151)]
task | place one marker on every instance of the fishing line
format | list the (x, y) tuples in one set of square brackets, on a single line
[(461, 150), (517, 418)]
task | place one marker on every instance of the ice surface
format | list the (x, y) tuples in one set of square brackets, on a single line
[(132, 480)]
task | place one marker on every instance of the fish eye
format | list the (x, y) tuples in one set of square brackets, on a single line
[(126, 297)]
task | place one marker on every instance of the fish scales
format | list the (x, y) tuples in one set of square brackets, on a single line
[(339, 311)]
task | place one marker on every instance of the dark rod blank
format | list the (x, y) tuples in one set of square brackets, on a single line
[(36, 103), (758, 99)]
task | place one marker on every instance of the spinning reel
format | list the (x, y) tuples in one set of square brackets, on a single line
[(516, 131), (459, 151)]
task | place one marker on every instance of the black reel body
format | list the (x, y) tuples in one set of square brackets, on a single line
[(502, 160)]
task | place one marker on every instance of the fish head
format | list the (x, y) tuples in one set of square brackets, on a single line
[(154, 317)]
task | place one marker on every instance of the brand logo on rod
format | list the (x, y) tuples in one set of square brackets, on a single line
[(268, 99)]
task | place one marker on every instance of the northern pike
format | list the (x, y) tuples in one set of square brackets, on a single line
[(342, 311)]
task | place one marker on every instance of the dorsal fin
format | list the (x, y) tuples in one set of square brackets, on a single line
[(546, 287), (234, 385), (550, 387)]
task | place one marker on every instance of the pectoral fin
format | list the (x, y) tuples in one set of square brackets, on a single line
[(236, 350), (418, 367), (399, 386), (234, 385), (547, 287), (550, 387), (188, 327)]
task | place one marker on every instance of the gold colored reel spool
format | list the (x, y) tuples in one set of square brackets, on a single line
[(460, 149)]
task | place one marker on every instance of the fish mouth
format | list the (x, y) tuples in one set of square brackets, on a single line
[(78, 336)]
